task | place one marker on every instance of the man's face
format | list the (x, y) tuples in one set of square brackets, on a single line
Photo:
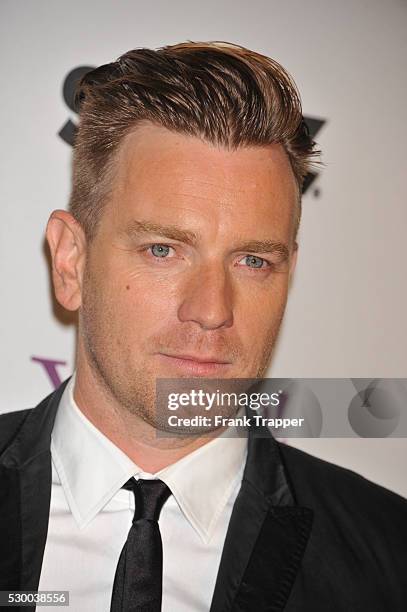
[(188, 273)]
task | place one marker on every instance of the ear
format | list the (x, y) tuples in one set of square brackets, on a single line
[(67, 243), (293, 261)]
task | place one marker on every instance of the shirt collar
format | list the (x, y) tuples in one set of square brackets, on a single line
[(202, 481), (91, 469)]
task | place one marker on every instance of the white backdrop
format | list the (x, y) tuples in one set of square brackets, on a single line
[(346, 315)]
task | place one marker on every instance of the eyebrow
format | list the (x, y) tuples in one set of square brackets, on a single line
[(173, 232), (136, 228)]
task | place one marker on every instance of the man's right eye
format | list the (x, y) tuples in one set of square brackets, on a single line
[(160, 250)]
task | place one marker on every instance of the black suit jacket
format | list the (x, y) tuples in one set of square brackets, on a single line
[(304, 535)]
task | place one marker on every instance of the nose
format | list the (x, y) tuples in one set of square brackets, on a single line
[(208, 298)]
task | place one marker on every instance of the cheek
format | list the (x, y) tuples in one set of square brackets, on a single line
[(258, 314), (143, 303), (261, 306)]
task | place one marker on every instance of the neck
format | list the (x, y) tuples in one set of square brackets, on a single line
[(135, 437)]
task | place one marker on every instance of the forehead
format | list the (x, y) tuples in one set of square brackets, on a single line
[(174, 177)]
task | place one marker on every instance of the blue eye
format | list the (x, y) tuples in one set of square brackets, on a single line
[(160, 250), (252, 261)]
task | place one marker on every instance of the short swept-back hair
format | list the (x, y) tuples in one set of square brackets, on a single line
[(223, 93)]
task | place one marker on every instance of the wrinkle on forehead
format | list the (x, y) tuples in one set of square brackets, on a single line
[(157, 148), (178, 174)]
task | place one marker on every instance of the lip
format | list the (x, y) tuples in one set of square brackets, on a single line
[(196, 365), (197, 359)]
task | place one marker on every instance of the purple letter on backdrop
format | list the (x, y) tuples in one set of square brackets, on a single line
[(50, 366)]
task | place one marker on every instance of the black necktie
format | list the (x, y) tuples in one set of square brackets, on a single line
[(137, 583)]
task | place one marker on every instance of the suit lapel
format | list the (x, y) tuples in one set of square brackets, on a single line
[(264, 544), (266, 538), (25, 485)]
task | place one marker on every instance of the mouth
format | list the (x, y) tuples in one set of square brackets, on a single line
[(196, 365)]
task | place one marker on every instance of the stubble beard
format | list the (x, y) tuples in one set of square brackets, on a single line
[(135, 392), (132, 392)]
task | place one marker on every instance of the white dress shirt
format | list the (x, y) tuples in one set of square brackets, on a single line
[(90, 515)]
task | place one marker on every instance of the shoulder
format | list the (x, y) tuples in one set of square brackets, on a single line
[(10, 424), (37, 421), (349, 510), (315, 478), (358, 536)]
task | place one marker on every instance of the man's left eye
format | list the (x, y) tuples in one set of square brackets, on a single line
[(252, 261)]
